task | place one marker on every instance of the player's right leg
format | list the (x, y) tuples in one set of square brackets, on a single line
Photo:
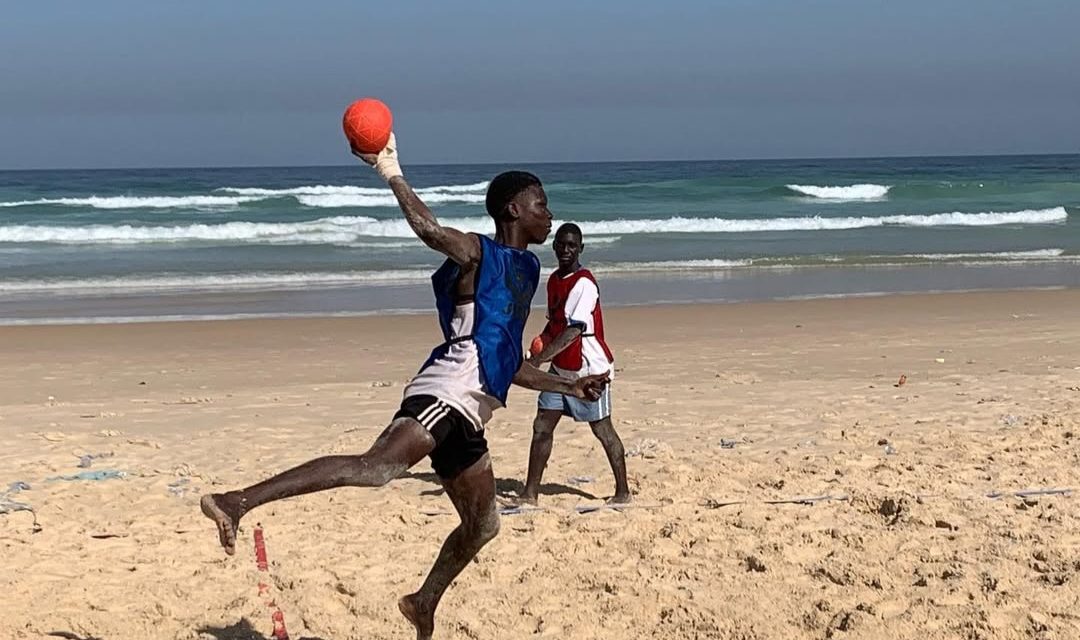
[(473, 493)]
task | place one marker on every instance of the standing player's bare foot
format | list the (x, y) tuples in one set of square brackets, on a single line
[(225, 512), (420, 616), (530, 499), (620, 498)]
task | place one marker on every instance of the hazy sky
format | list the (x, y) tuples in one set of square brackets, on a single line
[(119, 83)]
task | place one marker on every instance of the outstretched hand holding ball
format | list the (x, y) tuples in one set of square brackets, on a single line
[(385, 162), (368, 126)]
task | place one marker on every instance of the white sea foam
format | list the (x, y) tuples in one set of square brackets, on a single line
[(907, 259), (247, 281), (338, 200), (594, 240), (323, 196), (1033, 255), (323, 231), (784, 262), (346, 229), (349, 190), (820, 223), (416, 243), (852, 192), (671, 265), (139, 202)]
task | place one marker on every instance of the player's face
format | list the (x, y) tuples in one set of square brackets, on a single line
[(533, 214), (567, 248)]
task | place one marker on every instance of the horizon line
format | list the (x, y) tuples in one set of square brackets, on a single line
[(555, 162)]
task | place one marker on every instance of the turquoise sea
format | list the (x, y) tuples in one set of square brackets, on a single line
[(115, 245)]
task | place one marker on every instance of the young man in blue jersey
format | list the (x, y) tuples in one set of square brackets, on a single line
[(483, 293)]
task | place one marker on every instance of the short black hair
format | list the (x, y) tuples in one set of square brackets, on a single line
[(569, 227), (505, 187)]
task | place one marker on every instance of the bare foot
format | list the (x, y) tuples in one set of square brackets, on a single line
[(418, 616), (509, 502), (620, 498), (226, 515), (530, 499)]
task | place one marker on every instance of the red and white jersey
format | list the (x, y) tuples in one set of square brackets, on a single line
[(574, 300)]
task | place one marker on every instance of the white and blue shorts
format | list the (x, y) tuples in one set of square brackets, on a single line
[(578, 410)]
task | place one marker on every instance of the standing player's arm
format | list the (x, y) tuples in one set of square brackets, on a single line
[(558, 345), (585, 388), (462, 248), (579, 306)]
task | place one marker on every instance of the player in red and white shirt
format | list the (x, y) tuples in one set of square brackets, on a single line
[(573, 341)]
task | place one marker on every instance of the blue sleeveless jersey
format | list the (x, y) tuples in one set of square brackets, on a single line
[(505, 283)]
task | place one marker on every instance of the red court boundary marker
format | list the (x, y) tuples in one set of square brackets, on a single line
[(276, 615)]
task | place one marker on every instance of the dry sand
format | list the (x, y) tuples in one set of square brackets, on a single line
[(804, 389)]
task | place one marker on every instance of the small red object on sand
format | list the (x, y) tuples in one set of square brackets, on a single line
[(276, 616)]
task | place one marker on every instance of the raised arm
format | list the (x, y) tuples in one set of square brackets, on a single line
[(462, 248)]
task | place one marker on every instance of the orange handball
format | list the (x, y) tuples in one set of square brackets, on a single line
[(368, 123), (537, 345)]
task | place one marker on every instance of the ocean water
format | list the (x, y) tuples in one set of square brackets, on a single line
[(192, 243)]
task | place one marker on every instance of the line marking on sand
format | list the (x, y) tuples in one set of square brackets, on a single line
[(265, 589)]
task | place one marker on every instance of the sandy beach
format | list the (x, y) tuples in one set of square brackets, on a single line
[(722, 408)]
